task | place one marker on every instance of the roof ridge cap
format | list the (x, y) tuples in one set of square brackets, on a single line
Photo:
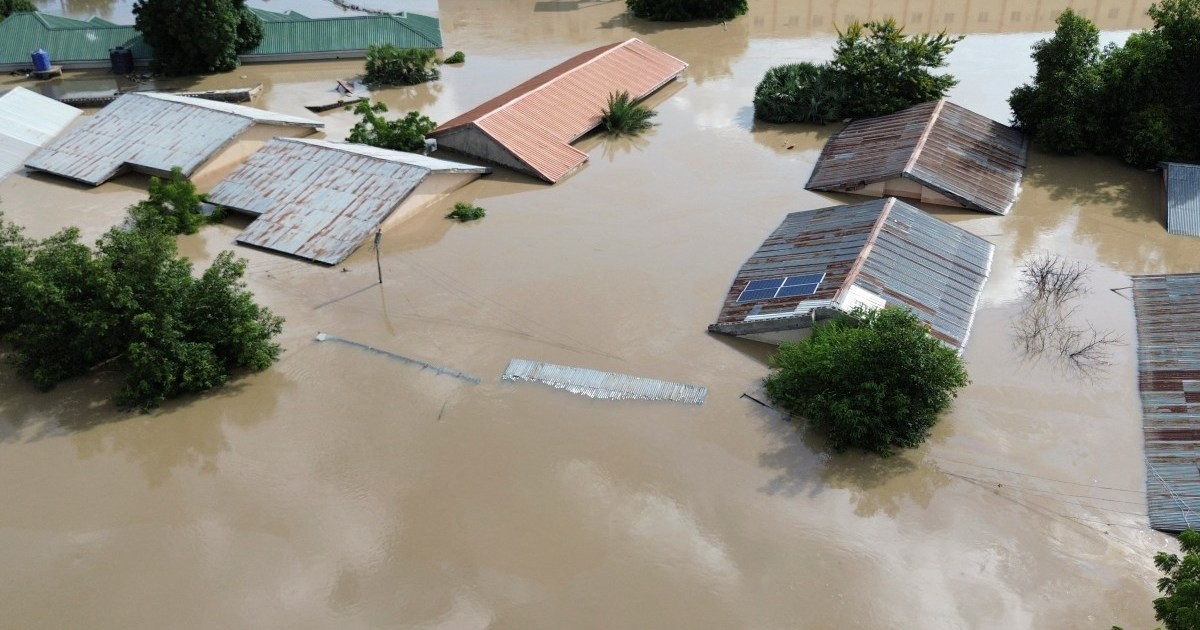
[(920, 146)]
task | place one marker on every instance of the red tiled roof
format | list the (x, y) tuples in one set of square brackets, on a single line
[(537, 120)]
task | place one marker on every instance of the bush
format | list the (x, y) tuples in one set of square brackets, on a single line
[(391, 65), (457, 57), (466, 212), (687, 10), (800, 92), (8, 7), (173, 206), (404, 134), (197, 37), (623, 116), (873, 380)]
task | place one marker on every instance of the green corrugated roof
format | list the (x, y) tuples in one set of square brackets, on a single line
[(289, 33)]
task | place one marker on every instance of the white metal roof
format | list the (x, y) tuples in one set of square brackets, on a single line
[(398, 157), (28, 121), (253, 113)]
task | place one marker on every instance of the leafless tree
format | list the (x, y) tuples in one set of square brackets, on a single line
[(1053, 278)]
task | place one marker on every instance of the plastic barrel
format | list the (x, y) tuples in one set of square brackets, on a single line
[(121, 60), (41, 60)]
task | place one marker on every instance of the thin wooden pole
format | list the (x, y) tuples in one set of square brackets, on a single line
[(378, 266)]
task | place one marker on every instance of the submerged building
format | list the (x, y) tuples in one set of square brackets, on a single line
[(530, 128), (1181, 186), (819, 263), (28, 121), (934, 152), (152, 133), (321, 200)]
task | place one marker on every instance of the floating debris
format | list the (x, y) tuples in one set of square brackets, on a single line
[(392, 355), (605, 385)]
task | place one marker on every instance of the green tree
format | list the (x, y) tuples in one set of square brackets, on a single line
[(1054, 110), (402, 134), (625, 117), (391, 65), (687, 10), (9, 7), (800, 92), (173, 206), (1179, 606), (873, 380), (884, 71), (197, 36)]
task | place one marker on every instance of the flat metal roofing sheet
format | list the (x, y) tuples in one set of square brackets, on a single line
[(150, 132), (967, 157), (28, 121), (1183, 198), (319, 200), (537, 120), (1168, 335)]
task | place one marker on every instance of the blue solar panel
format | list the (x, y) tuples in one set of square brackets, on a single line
[(801, 289), (812, 278), (761, 294), (790, 286), (770, 283)]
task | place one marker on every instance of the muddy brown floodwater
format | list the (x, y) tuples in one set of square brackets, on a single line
[(340, 489)]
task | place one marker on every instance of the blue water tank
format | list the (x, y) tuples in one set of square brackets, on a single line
[(41, 60), (121, 60)]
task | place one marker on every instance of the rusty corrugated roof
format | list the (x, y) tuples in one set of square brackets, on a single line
[(967, 157), (320, 200), (151, 133), (1168, 335), (1183, 198), (537, 120), (883, 248)]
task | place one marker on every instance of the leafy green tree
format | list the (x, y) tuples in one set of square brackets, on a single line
[(884, 71), (9, 7), (873, 380), (173, 206), (402, 134), (625, 117), (197, 36), (390, 65), (1179, 607), (800, 92), (687, 10), (1053, 109)]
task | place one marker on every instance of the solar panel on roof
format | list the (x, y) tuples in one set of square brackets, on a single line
[(790, 286)]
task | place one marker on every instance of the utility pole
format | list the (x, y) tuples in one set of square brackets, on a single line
[(378, 266)]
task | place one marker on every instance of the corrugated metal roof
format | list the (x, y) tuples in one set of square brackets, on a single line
[(320, 200), (28, 121), (967, 157), (537, 120), (69, 42), (1183, 198), (306, 36), (151, 133), (603, 385), (1169, 380), (884, 247)]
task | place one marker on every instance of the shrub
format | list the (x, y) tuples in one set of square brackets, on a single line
[(173, 206), (800, 92), (687, 10), (391, 65), (466, 212), (623, 116), (457, 57), (403, 134), (8, 7), (873, 380)]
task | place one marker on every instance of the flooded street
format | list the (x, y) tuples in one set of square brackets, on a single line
[(341, 489)]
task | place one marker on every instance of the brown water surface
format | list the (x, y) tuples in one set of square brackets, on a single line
[(343, 489)]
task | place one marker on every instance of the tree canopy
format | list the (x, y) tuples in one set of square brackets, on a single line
[(8, 7), (876, 70), (1135, 101), (687, 10), (388, 64), (131, 302), (199, 36), (873, 380), (401, 134), (1179, 606)]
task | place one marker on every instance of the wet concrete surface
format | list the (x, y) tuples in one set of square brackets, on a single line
[(341, 489)]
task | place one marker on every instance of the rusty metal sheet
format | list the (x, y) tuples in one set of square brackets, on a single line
[(320, 200), (951, 150), (1169, 380), (151, 133), (884, 247), (538, 120)]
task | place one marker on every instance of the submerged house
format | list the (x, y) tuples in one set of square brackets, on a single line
[(1168, 349), (819, 263), (28, 121), (288, 36), (934, 152), (530, 128), (321, 200), (1181, 183), (151, 133)]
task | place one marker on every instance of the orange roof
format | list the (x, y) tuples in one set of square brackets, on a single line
[(537, 120)]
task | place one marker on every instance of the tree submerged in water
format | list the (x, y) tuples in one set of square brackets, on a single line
[(388, 64), (687, 10), (402, 134), (197, 37), (624, 117)]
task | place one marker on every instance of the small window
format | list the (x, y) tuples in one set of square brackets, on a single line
[(791, 286)]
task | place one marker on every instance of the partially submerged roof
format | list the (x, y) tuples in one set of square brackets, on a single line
[(1183, 198), (320, 200), (72, 43), (537, 121), (28, 121), (1168, 335), (151, 132), (879, 253), (967, 157)]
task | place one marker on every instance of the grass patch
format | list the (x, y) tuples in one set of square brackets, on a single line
[(466, 212), (623, 116)]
